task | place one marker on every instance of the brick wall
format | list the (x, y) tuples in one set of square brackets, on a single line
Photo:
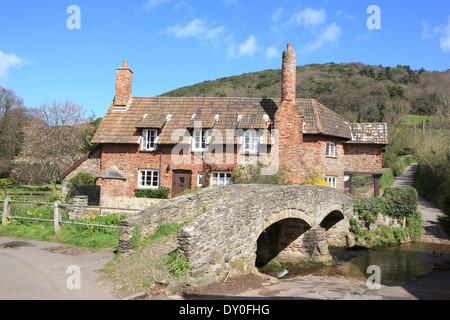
[(314, 148), (363, 157), (128, 159)]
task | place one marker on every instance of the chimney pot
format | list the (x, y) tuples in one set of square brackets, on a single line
[(289, 46), (125, 64)]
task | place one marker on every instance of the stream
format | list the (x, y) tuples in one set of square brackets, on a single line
[(398, 264)]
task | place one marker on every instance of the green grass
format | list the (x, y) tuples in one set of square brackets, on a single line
[(412, 119), (74, 235), (162, 230)]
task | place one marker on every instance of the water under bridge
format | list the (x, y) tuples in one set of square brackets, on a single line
[(246, 226)]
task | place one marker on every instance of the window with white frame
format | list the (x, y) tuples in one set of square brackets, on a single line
[(251, 141), (149, 139), (331, 149), (148, 179), (331, 180), (201, 179), (199, 139), (220, 178)]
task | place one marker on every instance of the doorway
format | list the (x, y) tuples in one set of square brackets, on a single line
[(181, 180)]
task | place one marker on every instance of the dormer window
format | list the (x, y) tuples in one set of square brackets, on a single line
[(200, 139), (149, 139)]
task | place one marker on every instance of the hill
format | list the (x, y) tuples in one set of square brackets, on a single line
[(356, 91)]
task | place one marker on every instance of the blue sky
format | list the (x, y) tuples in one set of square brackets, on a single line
[(174, 43)]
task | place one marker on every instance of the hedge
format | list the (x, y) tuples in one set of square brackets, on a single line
[(161, 193), (395, 202), (400, 202)]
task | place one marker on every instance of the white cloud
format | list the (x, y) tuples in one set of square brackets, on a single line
[(345, 15), (328, 38), (308, 18), (442, 31), (198, 28), (249, 47), (276, 16), (8, 61), (208, 33), (271, 53), (150, 5)]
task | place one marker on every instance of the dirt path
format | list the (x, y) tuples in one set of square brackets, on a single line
[(430, 213)]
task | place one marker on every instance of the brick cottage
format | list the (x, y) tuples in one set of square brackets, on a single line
[(180, 143)]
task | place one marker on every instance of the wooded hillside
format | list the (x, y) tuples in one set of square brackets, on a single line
[(356, 91)]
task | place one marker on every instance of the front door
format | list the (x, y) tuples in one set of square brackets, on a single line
[(181, 180)]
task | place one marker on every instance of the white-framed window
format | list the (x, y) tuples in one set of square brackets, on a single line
[(220, 178), (201, 179), (149, 139), (148, 179), (331, 180), (200, 139), (331, 149), (251, 141)]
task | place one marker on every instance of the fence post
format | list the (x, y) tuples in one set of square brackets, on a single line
[(6, 208), (57, 216)]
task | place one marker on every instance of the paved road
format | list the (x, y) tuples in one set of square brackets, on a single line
[(35, 270)]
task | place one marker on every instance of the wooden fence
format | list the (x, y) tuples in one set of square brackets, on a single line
[(57, 206)]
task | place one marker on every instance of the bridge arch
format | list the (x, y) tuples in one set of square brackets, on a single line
[(279, 234), (227, 235)]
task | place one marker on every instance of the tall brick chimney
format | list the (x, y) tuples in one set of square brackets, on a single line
[(289, 75), (124, 84), (289, 121)]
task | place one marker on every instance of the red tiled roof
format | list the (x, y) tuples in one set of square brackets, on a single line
[(369, 133), (122, 125)]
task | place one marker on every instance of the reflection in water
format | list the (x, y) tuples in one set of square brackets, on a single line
[(398, 264)]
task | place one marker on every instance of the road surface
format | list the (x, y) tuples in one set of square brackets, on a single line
[(36, 270)]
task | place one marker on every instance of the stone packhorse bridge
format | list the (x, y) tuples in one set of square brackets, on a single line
[(245, 226)]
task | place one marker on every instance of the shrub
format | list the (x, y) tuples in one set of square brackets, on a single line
[(414, 224), (80, 179), (397, 203), (314, 178), (55, 195), (161, 193), (400, 202), (368, 209)]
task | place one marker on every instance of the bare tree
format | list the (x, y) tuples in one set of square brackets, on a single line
[(13, 115), (53, 140)]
